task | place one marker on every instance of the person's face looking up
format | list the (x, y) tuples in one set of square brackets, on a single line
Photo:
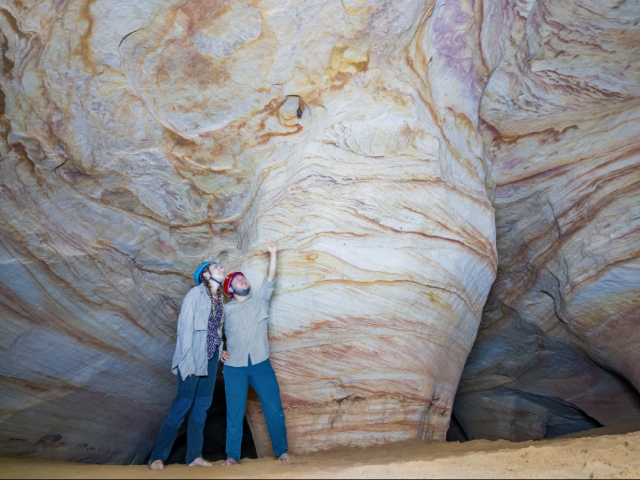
[(215, 272), (240, 285)]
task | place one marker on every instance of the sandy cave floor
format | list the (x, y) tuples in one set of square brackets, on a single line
[(593, 456)]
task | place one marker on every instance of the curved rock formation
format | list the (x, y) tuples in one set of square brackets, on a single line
[(372, 139), (140, 138), (558, 347)]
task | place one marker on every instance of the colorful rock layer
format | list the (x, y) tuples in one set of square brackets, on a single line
[(558, 349), (371, 139), (141, 138)]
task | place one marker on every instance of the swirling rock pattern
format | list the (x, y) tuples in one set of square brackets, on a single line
[(372, 139), (558, 347), (140, 138)]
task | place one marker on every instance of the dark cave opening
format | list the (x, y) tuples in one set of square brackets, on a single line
[(563, 417), (215, 431), (456, 433)]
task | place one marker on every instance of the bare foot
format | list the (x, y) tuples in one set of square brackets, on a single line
[(284, 457), (199, 462), (228, 461), (157, 465)]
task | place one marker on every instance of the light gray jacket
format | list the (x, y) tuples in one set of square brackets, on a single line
[(190, 356)]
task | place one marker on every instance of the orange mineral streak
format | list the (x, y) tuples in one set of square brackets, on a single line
[(85, 48)]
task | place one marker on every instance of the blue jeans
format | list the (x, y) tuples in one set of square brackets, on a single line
[(195, 393), (263, 380)]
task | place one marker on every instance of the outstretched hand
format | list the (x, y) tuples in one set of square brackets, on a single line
[(271, 269), (271, 245)]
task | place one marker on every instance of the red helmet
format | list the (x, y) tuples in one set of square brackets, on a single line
[(227, 282)]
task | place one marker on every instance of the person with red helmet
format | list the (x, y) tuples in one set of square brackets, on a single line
[(246, 322)]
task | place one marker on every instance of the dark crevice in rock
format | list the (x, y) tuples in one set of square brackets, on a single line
[(456, 432), (562, 417), (633, 390)]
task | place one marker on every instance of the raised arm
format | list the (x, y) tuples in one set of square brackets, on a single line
[(272, 248)]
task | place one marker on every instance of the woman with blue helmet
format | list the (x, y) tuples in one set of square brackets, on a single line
[(195, 361)]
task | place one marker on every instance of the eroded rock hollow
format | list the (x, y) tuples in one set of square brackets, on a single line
[(558, 349), (372, 139)]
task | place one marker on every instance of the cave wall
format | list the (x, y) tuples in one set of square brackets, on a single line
[(386, 237), (557, 350), (141, 138), (373, 139)]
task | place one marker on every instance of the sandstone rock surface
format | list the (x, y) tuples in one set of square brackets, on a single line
[(373, 139), (140, 138), (557, 350)]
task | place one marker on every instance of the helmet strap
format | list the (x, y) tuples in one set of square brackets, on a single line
[(210, 276)]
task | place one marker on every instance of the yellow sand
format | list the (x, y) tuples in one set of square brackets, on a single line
[(604, 456)]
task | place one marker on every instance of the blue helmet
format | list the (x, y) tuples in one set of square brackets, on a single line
[(198, 272)]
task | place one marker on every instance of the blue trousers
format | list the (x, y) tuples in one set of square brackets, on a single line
[(263, 380), (195, 393)]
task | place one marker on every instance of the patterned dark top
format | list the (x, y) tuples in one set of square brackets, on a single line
[(213, 339)]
